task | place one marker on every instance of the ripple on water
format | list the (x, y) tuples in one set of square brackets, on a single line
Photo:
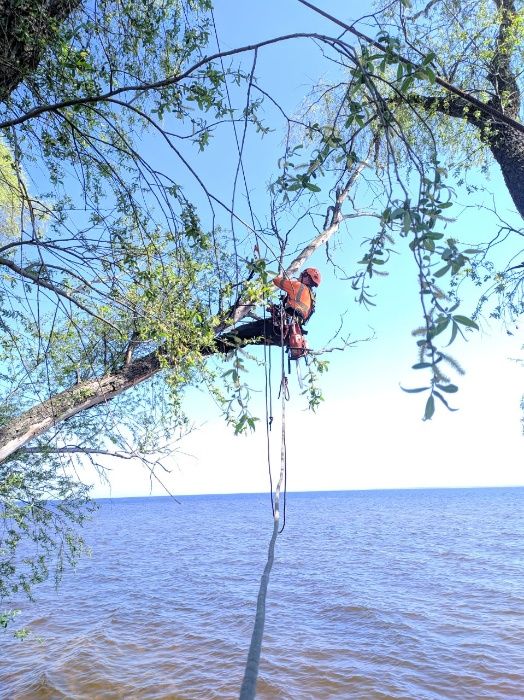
[(399, 595)]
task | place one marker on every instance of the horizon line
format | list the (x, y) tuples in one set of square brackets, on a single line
[(315, 491)]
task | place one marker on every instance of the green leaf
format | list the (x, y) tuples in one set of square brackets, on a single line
[(397, 213), (454, 332), (429, 58), (430, 75), (406, 223), (439, 396), (430, 408), (442, 271), (312, 188), (421, 365), (465, 321), (448, 388), (407, 83), (415, 391), (441, 326)]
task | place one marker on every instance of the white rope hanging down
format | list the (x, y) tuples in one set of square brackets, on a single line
[(249, 684)]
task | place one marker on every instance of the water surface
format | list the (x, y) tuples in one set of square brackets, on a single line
[(387, 594)]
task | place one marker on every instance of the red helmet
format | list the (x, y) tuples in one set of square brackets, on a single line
[(314, 275)]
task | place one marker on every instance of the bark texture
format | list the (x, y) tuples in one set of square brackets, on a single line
[(26, 27), (68, 403), (508, 151), (507, 145)]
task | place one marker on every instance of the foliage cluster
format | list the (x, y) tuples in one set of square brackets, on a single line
[(41, 512)]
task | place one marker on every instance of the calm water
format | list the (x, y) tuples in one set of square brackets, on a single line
[(392, 594)]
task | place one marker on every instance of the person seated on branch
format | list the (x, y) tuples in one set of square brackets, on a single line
[(300, 297)]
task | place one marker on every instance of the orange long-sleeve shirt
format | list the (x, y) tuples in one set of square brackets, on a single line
[(298, 296)]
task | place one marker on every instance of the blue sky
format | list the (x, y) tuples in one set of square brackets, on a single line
[(368, 433)]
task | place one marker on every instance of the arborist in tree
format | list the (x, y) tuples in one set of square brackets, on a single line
[(298, 305)]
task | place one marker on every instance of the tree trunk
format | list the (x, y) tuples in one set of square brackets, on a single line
[(507, 144), (508, 151), (26, 26)]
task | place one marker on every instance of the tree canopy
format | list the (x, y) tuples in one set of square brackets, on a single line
[(122, 262)]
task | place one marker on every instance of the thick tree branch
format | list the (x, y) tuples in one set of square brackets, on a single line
[(488, 108), (158, 85), (101, 390), (506, 134), (68, 403), (506, 145), (333, 223), (451, 106)]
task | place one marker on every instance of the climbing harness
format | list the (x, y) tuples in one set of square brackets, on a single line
[(297, 346), (292, 336)]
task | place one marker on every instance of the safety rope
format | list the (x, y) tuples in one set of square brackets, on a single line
[(249, 682), (284, 389), (248, 689), (269, 402)]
